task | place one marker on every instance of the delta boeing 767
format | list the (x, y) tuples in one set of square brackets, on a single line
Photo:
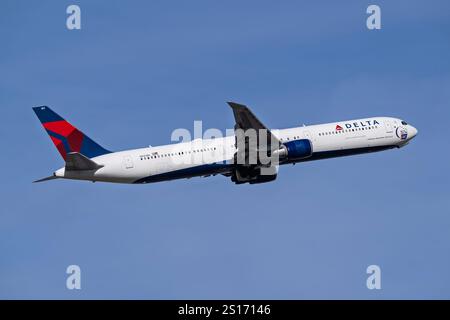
[(87, 160)]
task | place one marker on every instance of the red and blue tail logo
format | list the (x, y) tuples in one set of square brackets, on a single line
[(66, 137)]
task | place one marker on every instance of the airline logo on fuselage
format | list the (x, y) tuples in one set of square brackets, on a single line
[(359, 124), (402, 133)]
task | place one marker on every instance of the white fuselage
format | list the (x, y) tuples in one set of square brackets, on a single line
[(205, 157)]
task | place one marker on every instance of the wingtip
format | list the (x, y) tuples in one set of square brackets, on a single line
[(235, 104)]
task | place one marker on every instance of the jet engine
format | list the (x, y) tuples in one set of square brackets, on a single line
[(254, 175), (294, 150)]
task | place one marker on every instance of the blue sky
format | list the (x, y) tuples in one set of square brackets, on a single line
[(139, 69)]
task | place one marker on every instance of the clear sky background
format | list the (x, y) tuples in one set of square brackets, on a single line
[(139, 69)]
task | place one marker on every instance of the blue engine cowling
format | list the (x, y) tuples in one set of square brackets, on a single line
[(298, 149)]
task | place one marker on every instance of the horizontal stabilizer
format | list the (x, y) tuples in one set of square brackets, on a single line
[(76, 161), (46, 179)]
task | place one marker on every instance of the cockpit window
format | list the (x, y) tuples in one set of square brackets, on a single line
[(404, 122)]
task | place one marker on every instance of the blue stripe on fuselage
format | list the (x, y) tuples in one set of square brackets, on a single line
[(218, 168), (345, 152), (201, 170)]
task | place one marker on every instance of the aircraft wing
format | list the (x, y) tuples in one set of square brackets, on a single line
[(245, 120)]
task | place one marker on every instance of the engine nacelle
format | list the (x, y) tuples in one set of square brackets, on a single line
[(263, 179), (295, 150), (254, 175)]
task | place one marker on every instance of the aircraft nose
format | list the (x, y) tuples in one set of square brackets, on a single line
[(413, 131)]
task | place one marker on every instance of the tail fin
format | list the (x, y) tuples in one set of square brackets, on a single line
[(66, 137)]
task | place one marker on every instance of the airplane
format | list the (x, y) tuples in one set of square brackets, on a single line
[(227, 156)]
